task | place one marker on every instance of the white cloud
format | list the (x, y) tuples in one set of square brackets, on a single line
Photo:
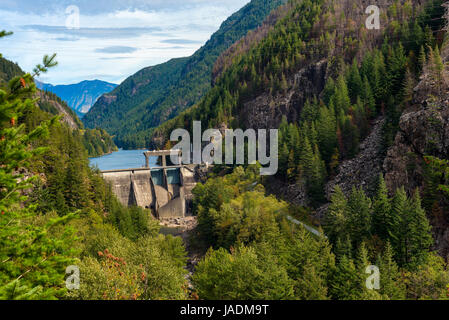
[(111, 45)]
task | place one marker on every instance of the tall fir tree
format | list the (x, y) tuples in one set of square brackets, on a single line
[(33, 260), (336, 220), (391, 283), (421, 232), (400, 236), (382, 213), (359, 216)]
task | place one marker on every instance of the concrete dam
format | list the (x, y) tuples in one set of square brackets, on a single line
[(165, 190)]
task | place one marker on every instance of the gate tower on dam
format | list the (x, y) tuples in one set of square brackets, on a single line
[(164, 189)]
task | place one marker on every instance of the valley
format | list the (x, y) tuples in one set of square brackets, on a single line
[(361, 152)]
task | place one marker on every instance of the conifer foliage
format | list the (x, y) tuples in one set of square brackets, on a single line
[(32, 261)]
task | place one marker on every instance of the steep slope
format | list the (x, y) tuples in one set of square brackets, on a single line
[(423, 130), (322, 78), (48, 102), (423, 135), (290, 63), (52, 104), (55, 207), (8, 70), (158, 93), (96, 141), (328, 84), (81, 96)]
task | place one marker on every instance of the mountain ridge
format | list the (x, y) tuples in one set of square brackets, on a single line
[(177, 84), (96, 141), (79, 96)]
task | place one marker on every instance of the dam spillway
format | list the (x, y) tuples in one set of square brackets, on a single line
[(165, 190)]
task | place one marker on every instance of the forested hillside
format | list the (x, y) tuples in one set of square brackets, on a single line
[(342, 97), (253, 239), (56, 212), (322, 85), (8, 70), (156, 94), (324, 80), (97, 141)]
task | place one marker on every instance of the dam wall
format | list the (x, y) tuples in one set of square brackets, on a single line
[(164, 190)]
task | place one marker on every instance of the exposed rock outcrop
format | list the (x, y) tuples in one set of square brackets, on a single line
[(423, 130), (363, 170), (67, 117), (266, 112), (294, 193)]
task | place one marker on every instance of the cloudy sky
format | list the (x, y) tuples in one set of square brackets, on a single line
[(109, 39)]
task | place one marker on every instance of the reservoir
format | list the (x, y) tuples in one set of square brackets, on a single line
[(122, 159)]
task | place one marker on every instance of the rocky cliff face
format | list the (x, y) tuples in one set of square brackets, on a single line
[(363, 170), (423, 130), (68, 117), (266, 112), (81, 96)]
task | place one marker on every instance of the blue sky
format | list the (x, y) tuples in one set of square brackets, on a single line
[(115, 38)]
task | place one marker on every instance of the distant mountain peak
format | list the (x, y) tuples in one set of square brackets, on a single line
[(80, 96), (158, 93)]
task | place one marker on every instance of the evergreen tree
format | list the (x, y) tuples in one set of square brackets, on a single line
[(420, 229), (345, 282), (382, 211), (359, 216), (33, 260), (341, 98), (355, 83), (409, 85), (316, 181), (422, 61), (362, 259), (327, 132), (343, 247), (336, 221), (379, 83), (438, 70), (368, 97), (306, 159), (401, 227), (390, 279), (350, 136), (309, 262), (397, 62)]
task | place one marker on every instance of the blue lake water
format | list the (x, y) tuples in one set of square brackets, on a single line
[(122, 159)]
